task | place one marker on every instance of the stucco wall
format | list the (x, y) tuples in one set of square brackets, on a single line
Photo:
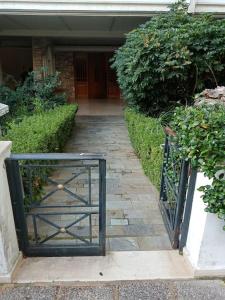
[(9, 252), (205, 245)]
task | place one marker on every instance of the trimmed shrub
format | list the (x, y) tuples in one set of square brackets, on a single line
[(164, 62), (147, 135), (41, 133), (44, 132)]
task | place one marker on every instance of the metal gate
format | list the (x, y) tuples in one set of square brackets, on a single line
[(59, 203), (176, 194)]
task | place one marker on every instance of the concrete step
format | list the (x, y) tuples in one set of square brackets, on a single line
[(118, 265)]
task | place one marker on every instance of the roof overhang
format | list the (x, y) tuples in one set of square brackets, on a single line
[(207, 6), (76, 27), (84, 7), (86, 19), (106, 7)]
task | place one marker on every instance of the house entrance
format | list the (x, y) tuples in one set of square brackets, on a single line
[(94, 78)]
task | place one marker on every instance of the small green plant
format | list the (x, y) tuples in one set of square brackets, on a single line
[(169, 59), (200, 134), (147, 136), (36, 94)]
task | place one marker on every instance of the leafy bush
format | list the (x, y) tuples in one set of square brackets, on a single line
[(164, 62), (200, 134), (43, 132), (147, 135), (34, 87)]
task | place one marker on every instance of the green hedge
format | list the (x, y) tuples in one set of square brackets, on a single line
[(44, 132), (41, 133), (146, 135)]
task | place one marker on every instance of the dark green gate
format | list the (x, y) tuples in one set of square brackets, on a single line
[(59, 203), (176, 194)]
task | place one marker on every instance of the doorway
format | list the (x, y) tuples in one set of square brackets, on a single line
[(94, 78)]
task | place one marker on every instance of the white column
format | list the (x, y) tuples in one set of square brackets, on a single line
[(192, 6), (205, 247), (9, 251)]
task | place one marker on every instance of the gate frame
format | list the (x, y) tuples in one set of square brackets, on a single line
[(17, 198), (179, 230)]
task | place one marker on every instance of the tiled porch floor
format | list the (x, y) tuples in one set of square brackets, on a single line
[(133, 218), (103, 107)]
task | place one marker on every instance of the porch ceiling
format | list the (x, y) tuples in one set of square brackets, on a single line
[(69, 26)]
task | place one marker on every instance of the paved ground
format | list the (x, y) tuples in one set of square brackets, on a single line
[(103, 107), (133, 290), (133, 218)]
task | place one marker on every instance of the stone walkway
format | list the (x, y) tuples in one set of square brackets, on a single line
[(131, 290), (134, 221), (133, 218)]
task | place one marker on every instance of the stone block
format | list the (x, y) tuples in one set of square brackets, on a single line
[(115, 222), (123, 244)]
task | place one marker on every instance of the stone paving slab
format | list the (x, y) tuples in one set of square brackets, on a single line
[(128, 290), (132, 201), (123, 244)]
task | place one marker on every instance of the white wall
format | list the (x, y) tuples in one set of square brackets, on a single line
[(205, 248), (106, 6), (111, 7), (9, 252), (210, 6), (84, 6)]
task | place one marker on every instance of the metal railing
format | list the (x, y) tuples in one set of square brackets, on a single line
[(176, 194), (59, 203)]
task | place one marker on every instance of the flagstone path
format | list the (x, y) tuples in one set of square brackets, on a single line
[(133, 218), (134, 221)]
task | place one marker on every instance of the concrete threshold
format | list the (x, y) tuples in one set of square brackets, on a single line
[(115, 266)]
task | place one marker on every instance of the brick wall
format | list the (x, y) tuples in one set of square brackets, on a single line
[(64, 64), (38, 49)]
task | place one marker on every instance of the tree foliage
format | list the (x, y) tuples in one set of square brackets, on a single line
[(164, 62)]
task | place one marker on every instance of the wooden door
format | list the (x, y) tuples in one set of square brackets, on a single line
[(113, 90), (81, 75), (96, 76)]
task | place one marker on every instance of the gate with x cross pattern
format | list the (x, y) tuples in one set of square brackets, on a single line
[(58, 203)]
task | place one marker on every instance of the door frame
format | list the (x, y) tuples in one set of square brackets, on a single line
[(104, 64)]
